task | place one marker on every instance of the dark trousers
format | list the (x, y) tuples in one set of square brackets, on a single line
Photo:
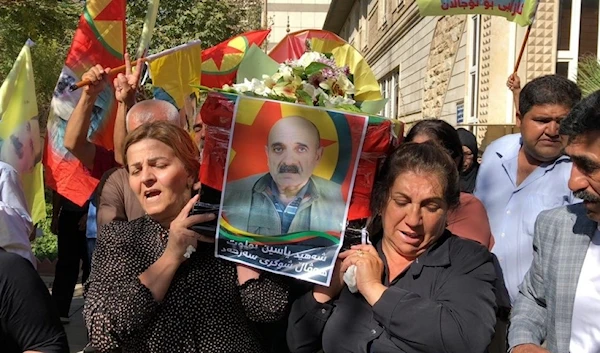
[(72, 252)]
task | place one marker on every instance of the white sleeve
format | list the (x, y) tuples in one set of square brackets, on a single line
[(15, 221)]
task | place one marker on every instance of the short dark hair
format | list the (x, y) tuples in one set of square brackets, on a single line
[(584, 117), (549, 89), (425, 157), (441, 132)]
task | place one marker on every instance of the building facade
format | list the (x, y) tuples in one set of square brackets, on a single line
[(285, 16), (456, 67)]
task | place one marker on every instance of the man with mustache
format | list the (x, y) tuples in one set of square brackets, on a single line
[(289, 198), (526, 173), (559, 299)]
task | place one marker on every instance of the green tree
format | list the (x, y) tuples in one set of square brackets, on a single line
[(50, 24), (179, 22)]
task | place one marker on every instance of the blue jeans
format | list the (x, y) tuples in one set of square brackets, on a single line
[(91, 245)]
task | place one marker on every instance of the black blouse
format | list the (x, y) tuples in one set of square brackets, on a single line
[(204, 310), (443, 302)]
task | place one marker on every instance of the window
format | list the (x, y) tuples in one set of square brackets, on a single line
[(578, 34), (382, 13), (364, 23), (390, 85), (473, 82)]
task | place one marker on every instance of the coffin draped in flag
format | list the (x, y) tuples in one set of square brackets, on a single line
[(220, 63), (521, 12), (20, 141), (99, 39)]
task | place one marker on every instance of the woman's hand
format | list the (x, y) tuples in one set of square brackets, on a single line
[(126, 84), (324, 294), (97, 75), (369, 269), (180, 236)]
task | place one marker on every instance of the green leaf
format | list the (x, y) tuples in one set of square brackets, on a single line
[(304, 97), (315, 67)]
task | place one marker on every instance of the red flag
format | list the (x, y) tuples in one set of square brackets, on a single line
[(99, 39), (220, 63)]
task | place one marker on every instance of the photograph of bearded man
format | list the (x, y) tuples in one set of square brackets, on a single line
[(289, 198)]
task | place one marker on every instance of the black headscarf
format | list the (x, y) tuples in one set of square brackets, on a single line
[(468, 177)]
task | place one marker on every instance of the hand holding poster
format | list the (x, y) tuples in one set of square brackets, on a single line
[(287, 187)]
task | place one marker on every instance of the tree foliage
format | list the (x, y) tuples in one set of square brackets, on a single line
[(52, 23), (179, 22)]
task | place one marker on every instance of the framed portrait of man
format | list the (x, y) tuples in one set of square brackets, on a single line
[(287, 186)]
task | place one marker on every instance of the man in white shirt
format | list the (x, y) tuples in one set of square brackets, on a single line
[(559, 299), (15, 221), (526, 173)]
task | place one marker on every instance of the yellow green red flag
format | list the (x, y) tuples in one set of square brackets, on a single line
[(220, 63), (20, 140), (178, 73), (518, 11)]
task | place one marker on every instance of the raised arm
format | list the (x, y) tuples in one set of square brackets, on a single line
[(125, 91), (264, 295), (514, 84), (76, 132)]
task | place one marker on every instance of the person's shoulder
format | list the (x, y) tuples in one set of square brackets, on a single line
[(502, 144), (244, 184), (7, 172), (469, 199), (118, 231), (467, 254), (11, 263), (6, 168), (325, 185), (564, 216)]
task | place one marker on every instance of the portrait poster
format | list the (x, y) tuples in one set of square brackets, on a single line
[(287, 187)]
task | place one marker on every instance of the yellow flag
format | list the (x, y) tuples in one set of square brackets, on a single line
[(176, 73), (20, 141)]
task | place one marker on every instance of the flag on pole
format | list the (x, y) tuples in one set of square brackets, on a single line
[(220, 63), (99, 39), (148, 28), (178, 73), (518, 11), (20, 140)]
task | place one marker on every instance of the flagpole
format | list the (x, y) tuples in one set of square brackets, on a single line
[(523, 45), (149, 58)]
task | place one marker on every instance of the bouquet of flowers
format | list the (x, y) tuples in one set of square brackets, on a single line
[(313, 79)]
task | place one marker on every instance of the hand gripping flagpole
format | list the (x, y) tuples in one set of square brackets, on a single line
[(526, 38), (149, 58)]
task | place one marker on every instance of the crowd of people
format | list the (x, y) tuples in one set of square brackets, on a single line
[(465, 256)]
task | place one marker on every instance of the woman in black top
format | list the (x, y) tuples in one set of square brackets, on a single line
[(420, 289), (143, 294)]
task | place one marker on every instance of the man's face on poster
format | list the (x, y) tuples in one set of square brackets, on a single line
[(293, 151), (23, 149)]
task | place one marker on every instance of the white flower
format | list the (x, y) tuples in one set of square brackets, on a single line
[(335, 101), (286, 72), (313, 92), (308, 58), (345, 84), (245, 86)]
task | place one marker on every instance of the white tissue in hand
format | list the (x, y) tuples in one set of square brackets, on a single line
[(188, 251), (350, 279)]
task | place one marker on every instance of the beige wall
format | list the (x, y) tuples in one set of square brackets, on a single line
[(302, 14)]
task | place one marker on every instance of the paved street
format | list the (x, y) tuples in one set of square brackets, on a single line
[(76, 332)]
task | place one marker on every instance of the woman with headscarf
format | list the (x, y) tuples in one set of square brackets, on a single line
[(470, 166)]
